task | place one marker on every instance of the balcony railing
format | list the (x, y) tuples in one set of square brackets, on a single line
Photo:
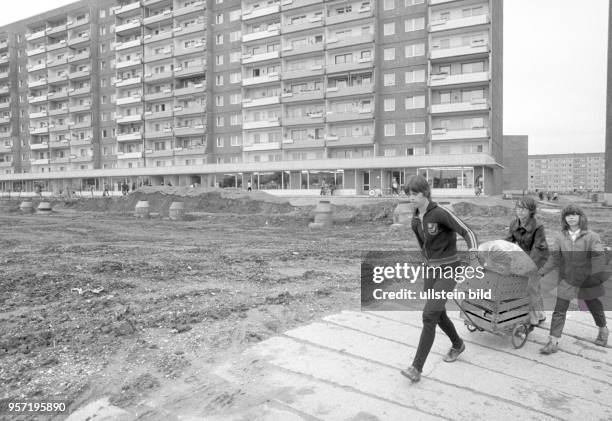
[(128, 81), (129, 63), (443, 79), (294, 4), (269, 32), (151, 115), (35, 51), (128, 44), (39, 114), (37, 83), (473, 48), (76, 57), (269, 146), (195, 7), (312, 118), (361, 89), (344, 42), (127, 26), (290, 50), (310, 23), (129, 118), (303, 144), (359, 13), (79, 40), (445, 24), (35, 35), (126, 137), (364, 114), (160, 17), (260, 124), (79, 91), (129, 155), (178, 111), (252, 58), (129, 100), (56, 29), (196, 68), (37, 99), (364, 63), (127, 8), (302, 96), (78, 22), (313, 70), (39, 130), (185, 30), (258, 102), (188, 130), (474, 105), (341, 141), (197, 88), (148, 38), (459, 134), (259, 12), (270, 77)]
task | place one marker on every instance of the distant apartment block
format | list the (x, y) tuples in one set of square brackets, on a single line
[(567, 172), (285, 94)]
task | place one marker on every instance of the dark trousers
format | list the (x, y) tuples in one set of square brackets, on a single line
[(434, 314), (558, 318)]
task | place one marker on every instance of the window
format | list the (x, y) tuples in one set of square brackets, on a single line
[(219, 60), (219, 142), (389, 29), (389, 104), (235, 140), (235, 57), (219, 18), (415, 50), (409, 3), (414, 24), (389, 79), (390, 129), (235, 77), (235, 119), (234, 15), (389, 4), (219, 80), (417, 101), (219, 101), (235, 36), (220, 121), (414, 76), (219, 39), (389, 54), (390, 152), (415, 127)]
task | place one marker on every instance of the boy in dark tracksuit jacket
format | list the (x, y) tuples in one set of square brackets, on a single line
[(436, 230)]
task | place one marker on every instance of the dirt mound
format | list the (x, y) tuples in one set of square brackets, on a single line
[(472, 209), (194, 199)]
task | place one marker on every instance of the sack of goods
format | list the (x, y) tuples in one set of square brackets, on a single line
[(505, 258)]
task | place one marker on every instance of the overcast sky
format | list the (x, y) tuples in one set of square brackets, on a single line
[(554, 69)]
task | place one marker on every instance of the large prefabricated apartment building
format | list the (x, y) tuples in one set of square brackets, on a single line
[(286, 94)]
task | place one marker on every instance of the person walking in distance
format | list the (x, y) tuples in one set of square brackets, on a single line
[(249, 188), (436, 230)]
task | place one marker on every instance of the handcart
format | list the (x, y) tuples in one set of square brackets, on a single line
[(506, 312)]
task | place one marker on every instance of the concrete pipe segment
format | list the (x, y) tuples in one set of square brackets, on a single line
[(323, 215), (142, 209), (44, 208), (26, 207), (177, 211)]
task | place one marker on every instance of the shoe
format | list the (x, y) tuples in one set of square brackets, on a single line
[(550, 348), (453, 353), (542, 320), (412, 373), (602, 338)]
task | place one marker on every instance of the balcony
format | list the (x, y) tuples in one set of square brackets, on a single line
[(39, 114), (75, 158), (272, 31), (150, 115), (127, 8), (301, 96), (4, 59), (5, 148), (59, 144), (195, 69), (365, 114), (151, 2), (5, 120), (434, 2), (36, 51), (195, 48), (179, 111), (294, 4), (362, 89), (4, 75), (37, 83), (79, 40), (345, 42), (127, 26), (56, 79), (151, 96), (186, 30), (76, 57), (270, 77), (37, 99), (79, 91), (56, 46), (303, 144), (79, 108), (270, 146), (4, 90), (290, 50), (159, 56), (3, 44), (310, 23), (128, 82), (56, 29), (258, 102), (457, 107), (314, 70), (129, 155), (43, 161), (127, 137), (54, 95), (154, 77), (149, 153), (195, 89), (58, 111), (129, 118), (128, 44), (342, 141), (260, 124), (4, 105), (58, 128), (362, 63), (198, 6), (5, 164), (459, 134), (189, 130), (129, 63), (149, 134), (80, 142), (82, 125), (313, 118), (38, 66), (78, 22), (444, 79), (149, 38), (39, 130), (129, 100), (57, 62), (5, 135), (445, 24), (160, 17), (35, 35), (192, 150), (259, 12), (359, 13), (481, 48)]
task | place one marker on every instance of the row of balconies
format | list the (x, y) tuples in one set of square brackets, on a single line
[(55, 46), (131, 7), (60, 144), (57, 29), (196, 129), (54, 79), (361, 12)]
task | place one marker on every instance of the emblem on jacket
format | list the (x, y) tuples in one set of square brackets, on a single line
[(432, 228)]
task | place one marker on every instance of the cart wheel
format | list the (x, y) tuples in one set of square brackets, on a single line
[(519, 336), (471, 327)]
